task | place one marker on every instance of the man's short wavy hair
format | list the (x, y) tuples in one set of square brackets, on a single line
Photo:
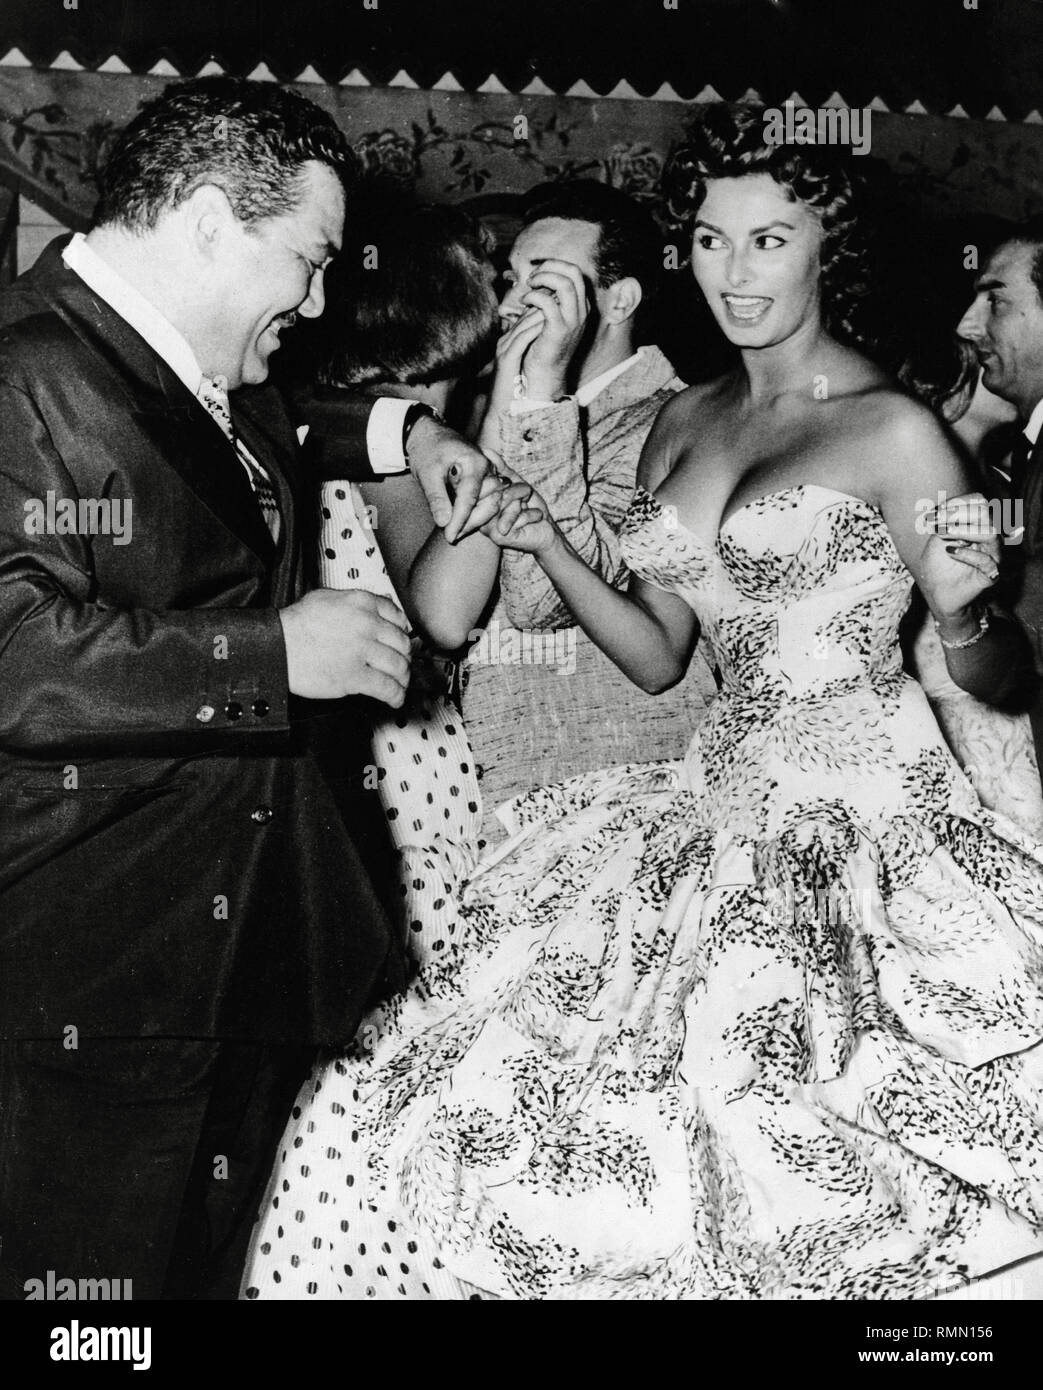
[(251, 139), (725, 142), (1028, 233), (409, 299), (629, 243)]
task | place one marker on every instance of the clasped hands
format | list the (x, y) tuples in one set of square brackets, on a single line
[(470, 489), (351, 642), (510, 512)]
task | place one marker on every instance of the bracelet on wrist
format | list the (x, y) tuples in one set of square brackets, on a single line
[(983, 627)]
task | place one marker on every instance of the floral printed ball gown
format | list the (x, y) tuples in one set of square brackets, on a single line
[(763, 1024)]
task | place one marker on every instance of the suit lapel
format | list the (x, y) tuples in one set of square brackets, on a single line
[(197, 448), (1033, 500), (186, 437)]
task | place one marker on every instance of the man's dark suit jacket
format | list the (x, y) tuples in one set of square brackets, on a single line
[(1028, 602), (173, 860), (1021, 589)]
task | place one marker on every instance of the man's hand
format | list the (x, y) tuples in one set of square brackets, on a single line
[(439, 458), (510, 354), (557, 289), (346, 642)]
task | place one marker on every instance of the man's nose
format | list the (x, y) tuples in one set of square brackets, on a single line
[(316, 300), (510, 306), (970, 326)]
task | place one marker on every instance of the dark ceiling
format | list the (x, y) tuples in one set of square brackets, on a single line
[(939, 52)]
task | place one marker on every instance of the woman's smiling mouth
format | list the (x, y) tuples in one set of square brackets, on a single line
[(746, 308)]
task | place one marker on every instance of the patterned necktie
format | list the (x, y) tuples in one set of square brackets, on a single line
[(214, 395)]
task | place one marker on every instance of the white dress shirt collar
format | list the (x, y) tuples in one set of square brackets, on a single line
[(586, 393), (135, 309), (1035, 424)]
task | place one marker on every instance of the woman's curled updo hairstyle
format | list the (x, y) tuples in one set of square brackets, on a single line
[(724, 142)]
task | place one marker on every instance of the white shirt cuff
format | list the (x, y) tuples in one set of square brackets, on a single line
[(384, 435)]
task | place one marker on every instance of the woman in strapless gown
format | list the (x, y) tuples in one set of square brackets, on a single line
[(763, 1024)]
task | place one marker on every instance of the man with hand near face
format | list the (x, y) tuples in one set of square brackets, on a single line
[(1004, 324), (575, 394), (184, 917)]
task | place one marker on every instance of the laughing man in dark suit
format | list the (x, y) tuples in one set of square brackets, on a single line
[(184, 917)]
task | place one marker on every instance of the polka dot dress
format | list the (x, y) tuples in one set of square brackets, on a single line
[(328, 1227), (422, 763)]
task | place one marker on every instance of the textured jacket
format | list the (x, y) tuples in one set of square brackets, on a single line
[(541, 702)]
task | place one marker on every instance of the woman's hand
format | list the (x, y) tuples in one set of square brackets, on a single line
[(523, 521), (960, 561)]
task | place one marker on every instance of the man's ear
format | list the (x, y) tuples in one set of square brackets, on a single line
[(207, 217), (621, 300)]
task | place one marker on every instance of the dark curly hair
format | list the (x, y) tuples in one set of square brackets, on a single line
[(727, 142)]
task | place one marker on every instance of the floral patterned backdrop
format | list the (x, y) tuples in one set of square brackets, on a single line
[(56, 126)]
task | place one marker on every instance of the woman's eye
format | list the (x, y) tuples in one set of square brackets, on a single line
[(777, 241), (706, 241)]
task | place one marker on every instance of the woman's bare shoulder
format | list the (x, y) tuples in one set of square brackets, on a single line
[(897, 420), (904, 441), (684, 417)]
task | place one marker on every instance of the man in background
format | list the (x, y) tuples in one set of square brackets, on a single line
[(1004, 324), (576, 390)]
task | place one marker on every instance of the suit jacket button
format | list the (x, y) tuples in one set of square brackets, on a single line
[(260, 708), (262, 815), (205, 713), (479, 771), (233, 710)]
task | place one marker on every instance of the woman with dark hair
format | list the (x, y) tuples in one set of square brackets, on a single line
[(413, 290), (411, 313), (765, 1024)]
